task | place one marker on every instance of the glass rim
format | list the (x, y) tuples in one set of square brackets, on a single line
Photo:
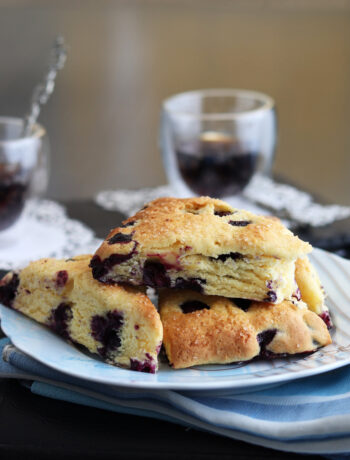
[(38, 131), (268, 103)]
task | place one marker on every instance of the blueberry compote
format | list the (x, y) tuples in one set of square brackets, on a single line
[(271, 295), (222, 213), (106, 330), (154, 275), (128, 224), (216, 165), (8, 290), (59, 319), (61, 278), (12, 195), (264, 339), (148, 365), (193, 305), (230, 255), (120, 238), (243, 304), (297, 294), (194, 284), (239, 223), (327, 319), (101, 268)]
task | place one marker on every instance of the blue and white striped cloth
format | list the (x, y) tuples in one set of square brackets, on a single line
[(311, 415)]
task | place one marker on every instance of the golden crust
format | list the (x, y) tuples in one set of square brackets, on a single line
[(225, 333), (191, 223)]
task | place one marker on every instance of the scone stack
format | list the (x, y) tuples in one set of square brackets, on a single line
[(232, 287)]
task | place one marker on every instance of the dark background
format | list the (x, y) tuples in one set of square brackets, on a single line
[(125, 57)]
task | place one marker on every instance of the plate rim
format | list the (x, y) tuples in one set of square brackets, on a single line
[(246, 382)]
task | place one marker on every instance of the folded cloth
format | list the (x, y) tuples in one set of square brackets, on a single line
[(311, 415)]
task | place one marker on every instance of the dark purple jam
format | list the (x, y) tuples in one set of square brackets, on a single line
[(106, 330), (239, 223), (120, 238), (159, 346), (297, 294), (148, 365), (59, 319), (100, 268), (193, 305), (216, 167), (269, 355), (243, 304), (222, 213), (194, 284), (327, 319), (128, 224), (271, 296), (264, 339), (154, 275), (61, 278), (12, 195), (8, 290), (231, 255)]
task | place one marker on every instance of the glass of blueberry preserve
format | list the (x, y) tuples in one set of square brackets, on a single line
[(213, 141), (23, 167)]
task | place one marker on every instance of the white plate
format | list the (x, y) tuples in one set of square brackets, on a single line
[(40, 343)]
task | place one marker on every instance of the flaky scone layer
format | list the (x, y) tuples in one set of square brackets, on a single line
[(202, 329), (203, 244), (120, 324), (262, 279)]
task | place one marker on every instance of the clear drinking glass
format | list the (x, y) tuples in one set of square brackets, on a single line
[(24, 167), (213, 141)]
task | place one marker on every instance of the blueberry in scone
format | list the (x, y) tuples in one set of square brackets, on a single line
[(205, 245), (120, 324), (201, 329)]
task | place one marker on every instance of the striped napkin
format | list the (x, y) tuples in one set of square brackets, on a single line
[(311, 415)]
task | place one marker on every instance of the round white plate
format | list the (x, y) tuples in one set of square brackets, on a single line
[(40, 343)]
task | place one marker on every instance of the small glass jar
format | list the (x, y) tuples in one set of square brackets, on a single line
[(24, 167), (213, 141)]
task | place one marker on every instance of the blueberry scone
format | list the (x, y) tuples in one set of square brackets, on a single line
[(201, 329), (205, 245), (119, 324)]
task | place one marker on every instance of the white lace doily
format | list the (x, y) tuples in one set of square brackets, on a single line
[(262, 196), (44, 230), (129, 202), (292, 203)]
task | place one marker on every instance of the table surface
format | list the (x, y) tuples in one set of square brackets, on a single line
[(35, 427)]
